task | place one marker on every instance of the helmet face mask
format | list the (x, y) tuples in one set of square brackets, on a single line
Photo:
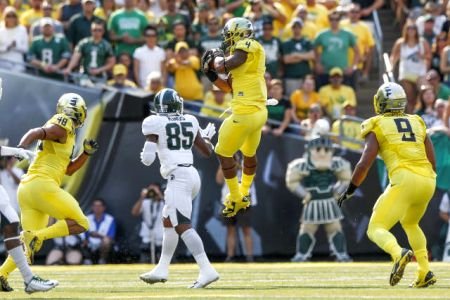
[(390, 97), (73, 106), (236, 29), (167, 101)]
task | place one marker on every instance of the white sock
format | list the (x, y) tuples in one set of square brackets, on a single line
[(169, 244), (195, 245), (21, 262)]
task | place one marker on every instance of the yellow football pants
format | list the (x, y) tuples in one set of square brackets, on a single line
[(241, 132)]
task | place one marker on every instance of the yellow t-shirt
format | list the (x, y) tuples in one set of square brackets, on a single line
[(333, 99), (364, 38), (309, 31), (318, 14), (187, 83), (301, 104), (401, 140), (30, 16), (210, 100), (350, 129), (52, 157), (248, 83), (287, 8)]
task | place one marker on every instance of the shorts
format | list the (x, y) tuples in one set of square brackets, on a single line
[(242, 219), (182, 186)]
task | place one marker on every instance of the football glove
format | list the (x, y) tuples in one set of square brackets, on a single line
[(90, 146), (347, 194), (25, 154), (207, 58), (209, 131)]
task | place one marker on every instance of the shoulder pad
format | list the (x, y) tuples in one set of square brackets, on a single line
[(299, 165), (368, 126), (247, 45), (62, 121), (152, 125)]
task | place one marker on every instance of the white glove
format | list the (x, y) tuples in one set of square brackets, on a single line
[(25, 154), (209, 131)]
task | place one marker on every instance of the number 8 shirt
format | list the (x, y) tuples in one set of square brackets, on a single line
[(401, 142)]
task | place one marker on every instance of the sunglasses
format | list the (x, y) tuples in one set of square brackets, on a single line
[(326, 149)]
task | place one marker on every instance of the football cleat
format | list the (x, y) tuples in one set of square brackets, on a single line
[(31, 245), (424, 282), (205, 279), (233, 207), (399, 266), (153, 277), (37, 284), (4, 285)]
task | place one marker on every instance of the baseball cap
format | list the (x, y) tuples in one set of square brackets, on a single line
[(297, 21), (181, 45), (85, 1), (120, 69), (46, 21), (336, 71)]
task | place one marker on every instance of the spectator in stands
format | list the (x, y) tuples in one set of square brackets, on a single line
[(105, 10), (180, 34), (20, 6), (65, 251), (309, 29), (49, 53), (185, 66), (200, 23), (333, 95), (261, 10), (437, 52), (67, 10), (428, 34), (13, 41), (126, 60), (3, 5), (444, 63), (99, 239), (427, 97), (331, 50), (235, 7), (446, 25), (172, 16), (282, 112), (315, 124), (96, 53), (80, 24), (120, 80), (413, 55), (47, 9), (33, 14), (149, 207), (318, 14), (272, 47), (302, 99), (215, 7), (144, 6), (441, 90), (441, 122), (432, 15), (367, 9), (444, 214), (10, 178), (126, 27), (346, 128), (154, 82), (213, 38), (364, 40), (216, 102), (149, 57)]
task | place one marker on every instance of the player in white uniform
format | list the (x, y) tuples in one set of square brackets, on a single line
[(171, 134), (10, 221)]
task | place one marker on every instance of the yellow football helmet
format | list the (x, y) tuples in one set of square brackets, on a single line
[(235, 30), (73, 106), (390, 97)]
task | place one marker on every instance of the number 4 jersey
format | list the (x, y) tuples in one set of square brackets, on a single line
[(401, 140), (176, 135)]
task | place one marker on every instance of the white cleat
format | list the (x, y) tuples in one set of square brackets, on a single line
[(153, 277), (37, 284), (205, 279)]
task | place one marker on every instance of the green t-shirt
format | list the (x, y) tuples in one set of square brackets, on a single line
[(443, 92), (272, 48), (132, 22), (300, 69), (276, 112), (49, 52), (238, 12), (93, 55), (335, 48)]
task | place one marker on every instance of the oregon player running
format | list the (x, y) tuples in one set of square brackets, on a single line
[(39, 193), (402, 143), (245, 66)]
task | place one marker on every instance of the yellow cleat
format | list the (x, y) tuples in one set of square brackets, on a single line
[(399, 266), (233, 207), (31, 245), (426, 281)]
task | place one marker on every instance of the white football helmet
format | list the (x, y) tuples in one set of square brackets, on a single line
[(390, 97), (73, 106)]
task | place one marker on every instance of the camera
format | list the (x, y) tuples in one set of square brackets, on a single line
[(151, 194)]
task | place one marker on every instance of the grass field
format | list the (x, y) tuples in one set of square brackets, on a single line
[(243, 281)]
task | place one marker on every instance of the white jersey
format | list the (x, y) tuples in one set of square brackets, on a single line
[(176, 136)]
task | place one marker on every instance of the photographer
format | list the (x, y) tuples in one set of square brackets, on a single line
[(149, 206)]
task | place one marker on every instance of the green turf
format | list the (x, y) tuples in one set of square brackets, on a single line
[(243, 281)]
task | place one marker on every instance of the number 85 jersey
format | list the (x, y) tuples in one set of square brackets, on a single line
[(176, 135), (401, 140)]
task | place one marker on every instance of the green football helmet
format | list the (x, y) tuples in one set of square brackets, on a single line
[(73, 106), (390, 97), (167, 101), (236, 29)]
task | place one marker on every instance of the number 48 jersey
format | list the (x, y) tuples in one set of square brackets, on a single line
[(401, 140), (176, 135)]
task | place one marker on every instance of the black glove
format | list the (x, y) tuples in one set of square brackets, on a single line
[(90, 146), (207, 58), (347, 194)]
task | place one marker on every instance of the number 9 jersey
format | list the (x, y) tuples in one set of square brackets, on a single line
[(176, 135), (401, 140)]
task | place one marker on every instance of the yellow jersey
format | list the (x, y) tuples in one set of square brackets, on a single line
[(350, 129), (333, 99), (302, 103), (248, 83), (52, 157), (401, 140)]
